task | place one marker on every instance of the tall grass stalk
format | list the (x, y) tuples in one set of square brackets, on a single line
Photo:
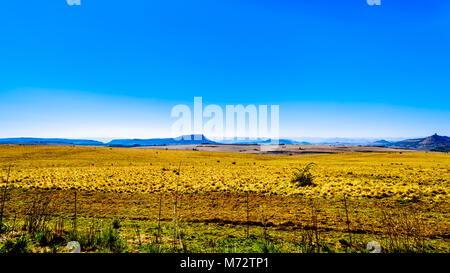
[(175, 202), (75, 214), (158, 236), (4, 197), (248, 218), (347, 220)]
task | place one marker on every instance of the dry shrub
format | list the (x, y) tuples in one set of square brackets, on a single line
[(405, 231)]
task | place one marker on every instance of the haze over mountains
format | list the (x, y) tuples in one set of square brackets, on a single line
[(49, 141), (183, 140), (431, 143)]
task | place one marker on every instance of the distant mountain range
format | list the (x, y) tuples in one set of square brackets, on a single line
[(261, 141), (183, 140), (431, 143), (50, 141)]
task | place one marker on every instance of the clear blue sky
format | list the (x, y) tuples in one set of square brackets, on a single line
[(116, 68)]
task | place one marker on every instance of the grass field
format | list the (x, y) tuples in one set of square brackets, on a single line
[(142, 200)]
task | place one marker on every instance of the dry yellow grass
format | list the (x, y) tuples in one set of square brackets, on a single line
[(423, 176)]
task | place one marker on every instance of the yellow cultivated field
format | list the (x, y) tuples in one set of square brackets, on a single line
[(409, 176)]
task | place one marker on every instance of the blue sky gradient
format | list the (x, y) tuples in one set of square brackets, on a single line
[(109, 69)]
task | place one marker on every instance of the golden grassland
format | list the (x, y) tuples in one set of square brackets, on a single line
[(233, 202), (406, 175)]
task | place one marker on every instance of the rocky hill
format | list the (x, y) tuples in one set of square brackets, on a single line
[(431, 143)]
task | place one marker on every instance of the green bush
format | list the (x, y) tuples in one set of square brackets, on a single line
[(266, 246), (16, 246), (3, 228), (44, 238), (151, 248), (303, 177), (111, 241), (116, 224)]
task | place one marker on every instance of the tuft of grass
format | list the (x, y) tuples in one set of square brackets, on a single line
[(405, 232), (94, 238), (16, 246), (4, 228), (151, 248), (116, 224), (110, 240), (303, 177), (266, 246), (43, 237), (37, 215)]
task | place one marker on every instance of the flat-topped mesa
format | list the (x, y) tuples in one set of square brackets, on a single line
[(181, 140)]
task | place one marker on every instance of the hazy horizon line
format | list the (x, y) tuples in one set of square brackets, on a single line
[(295, 138)]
